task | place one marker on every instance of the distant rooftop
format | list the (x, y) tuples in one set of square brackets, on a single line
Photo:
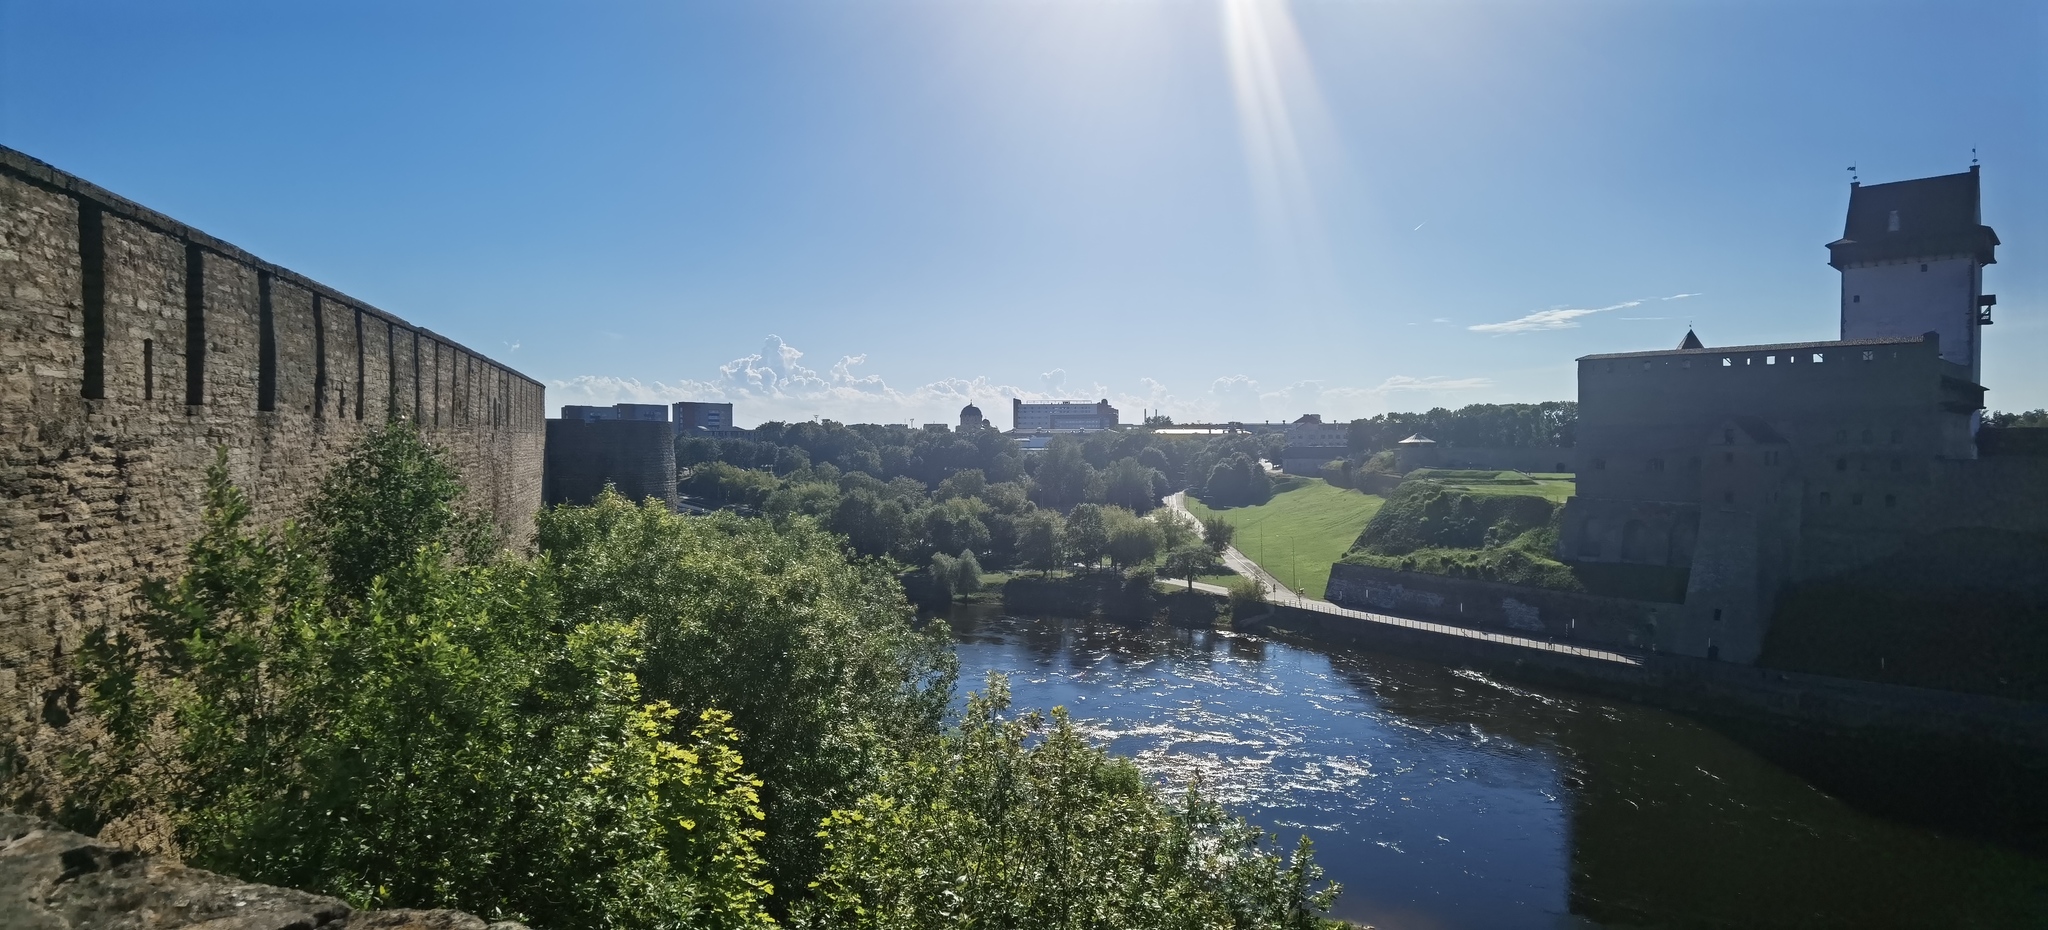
[(1921, 218), (1776, 347)]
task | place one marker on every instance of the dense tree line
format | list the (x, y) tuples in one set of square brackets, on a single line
[(932, 500), (644, 720), (2026, 418), (1516, 426)]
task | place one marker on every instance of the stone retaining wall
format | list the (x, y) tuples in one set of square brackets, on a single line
[(1491, 605)]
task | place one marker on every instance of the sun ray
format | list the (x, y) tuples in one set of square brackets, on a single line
[(1278, 105)]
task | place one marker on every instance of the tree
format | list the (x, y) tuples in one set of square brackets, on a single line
[(967, 573), (871, 525), (956, 524), (1040, 539), (1236, 482), (1087, 534), (392, 495), (1132, 486), (967, 482), (1173, 531), (1217, 533), (1019, 822), (1063, 474), (1247, 597), (2031, 419), (940, 575), (375, 747), (1154, 458), (1188, 562), (1133, 540), (725, 604)]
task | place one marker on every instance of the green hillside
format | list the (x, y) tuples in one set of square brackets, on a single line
[(1307, 525)]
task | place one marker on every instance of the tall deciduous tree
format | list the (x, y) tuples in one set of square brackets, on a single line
[(1041, 539)]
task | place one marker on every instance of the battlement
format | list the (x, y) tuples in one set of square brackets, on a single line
[(1822, 349), (133, 346)]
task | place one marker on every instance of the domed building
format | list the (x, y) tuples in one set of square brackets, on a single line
[(970, 418)]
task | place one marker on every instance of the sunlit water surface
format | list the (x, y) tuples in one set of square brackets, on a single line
[(1443, 798)]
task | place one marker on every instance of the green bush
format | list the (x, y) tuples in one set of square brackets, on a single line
[(642, 725), (814, 656), (450, 739), (1421, 515), (1021, 823), (1247, 597)]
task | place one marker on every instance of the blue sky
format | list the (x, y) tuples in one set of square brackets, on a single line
[(874, 211)]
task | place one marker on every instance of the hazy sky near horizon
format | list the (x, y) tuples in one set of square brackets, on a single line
[(1233, 209)]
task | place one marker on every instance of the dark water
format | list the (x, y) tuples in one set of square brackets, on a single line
[(1444, 798)]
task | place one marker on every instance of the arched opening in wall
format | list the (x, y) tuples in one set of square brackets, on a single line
[(1589, 539), (1633, 542), (1678, 549)]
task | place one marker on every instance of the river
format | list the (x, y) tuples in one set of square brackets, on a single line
[(1442, 798)]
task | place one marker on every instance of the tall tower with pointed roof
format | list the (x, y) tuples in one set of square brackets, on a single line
[(1912, 257)]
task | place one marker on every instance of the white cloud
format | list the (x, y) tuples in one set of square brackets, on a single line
[(1542, 320), (1679, 296), (1404, 383)]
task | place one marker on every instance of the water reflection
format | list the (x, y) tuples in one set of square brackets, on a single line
[(1448, 799)]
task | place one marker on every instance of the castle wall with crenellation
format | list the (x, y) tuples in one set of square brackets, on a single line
[(131, 348)]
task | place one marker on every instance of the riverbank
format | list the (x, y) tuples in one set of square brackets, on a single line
[(1442, 796), (1960, 761)]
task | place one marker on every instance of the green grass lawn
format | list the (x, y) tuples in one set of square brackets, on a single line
[(1552, 487), (1306, 526)]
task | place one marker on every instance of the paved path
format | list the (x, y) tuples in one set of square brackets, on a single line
[(1280, 594), (1238, 562)]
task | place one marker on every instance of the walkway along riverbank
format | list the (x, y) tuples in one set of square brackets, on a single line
[(1677, 682), (1965, 762), (1955, 760)]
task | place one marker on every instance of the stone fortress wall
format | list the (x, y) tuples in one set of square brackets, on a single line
[(636, 458), (131, 348)]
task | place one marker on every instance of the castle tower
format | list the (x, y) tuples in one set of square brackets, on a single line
[(1912, 258)]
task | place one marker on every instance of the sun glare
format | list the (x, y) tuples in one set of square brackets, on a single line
[(1280, 113)]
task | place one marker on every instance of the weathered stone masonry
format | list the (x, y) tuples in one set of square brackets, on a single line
[(131, 347)]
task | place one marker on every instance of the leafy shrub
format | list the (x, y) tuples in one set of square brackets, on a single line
[(448, 739), (1421, 515), (1247, 597), (814, 656), (1021, 823), (967, 573)]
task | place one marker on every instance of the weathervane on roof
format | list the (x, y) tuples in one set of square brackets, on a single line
[(1852, 174), (1973, 154)]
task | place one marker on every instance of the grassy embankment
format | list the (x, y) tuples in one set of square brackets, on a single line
[(1306, 526), (1555, 488), (1496, 527)]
